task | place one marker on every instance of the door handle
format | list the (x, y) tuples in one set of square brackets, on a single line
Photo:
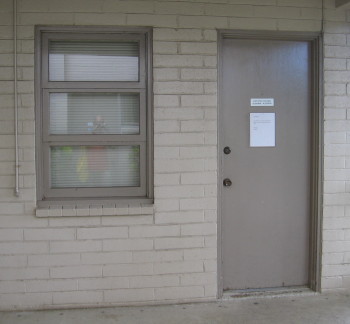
[(227, 182)]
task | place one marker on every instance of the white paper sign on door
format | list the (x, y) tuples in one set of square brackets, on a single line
[(262, 102), (262, 130)]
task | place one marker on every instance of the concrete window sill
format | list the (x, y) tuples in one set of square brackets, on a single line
[(95, 210)]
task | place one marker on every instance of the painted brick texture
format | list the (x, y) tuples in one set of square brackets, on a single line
[(336, 245), (111, 255)]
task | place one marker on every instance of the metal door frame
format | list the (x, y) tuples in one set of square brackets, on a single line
[(316, 41)]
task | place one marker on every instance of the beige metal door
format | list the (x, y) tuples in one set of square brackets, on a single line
[(266, 201)]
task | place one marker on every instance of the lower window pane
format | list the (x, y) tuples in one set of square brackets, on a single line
[(95, 166)]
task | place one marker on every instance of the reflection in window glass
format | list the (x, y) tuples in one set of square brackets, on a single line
[(95, 166), (94, 113)]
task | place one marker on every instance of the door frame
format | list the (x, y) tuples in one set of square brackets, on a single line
[(316, 42)]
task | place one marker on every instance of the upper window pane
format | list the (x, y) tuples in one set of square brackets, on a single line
[(93, 61)]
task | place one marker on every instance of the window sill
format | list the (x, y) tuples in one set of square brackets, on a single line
[(81, 210)]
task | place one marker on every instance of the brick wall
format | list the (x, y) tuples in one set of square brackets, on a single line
[(166, 252), (336, 223)]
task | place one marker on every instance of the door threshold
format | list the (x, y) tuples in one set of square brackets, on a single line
[(268, 292)]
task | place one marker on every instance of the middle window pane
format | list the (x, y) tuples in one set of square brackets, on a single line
[(94, 113)]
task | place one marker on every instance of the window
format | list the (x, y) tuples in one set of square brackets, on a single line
[(93, 114)]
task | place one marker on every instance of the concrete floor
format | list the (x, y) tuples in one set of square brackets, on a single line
[(320, 309)]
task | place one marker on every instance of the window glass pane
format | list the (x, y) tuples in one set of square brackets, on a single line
[(94, 113), (95, 166), (93, 61)]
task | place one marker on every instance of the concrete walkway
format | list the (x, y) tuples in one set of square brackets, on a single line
[(320, 309)]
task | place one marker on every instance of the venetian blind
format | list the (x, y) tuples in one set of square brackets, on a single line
[(94, 113), (93, 61)]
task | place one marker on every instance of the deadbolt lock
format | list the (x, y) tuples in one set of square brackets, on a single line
[(227, 182), (227, 150)]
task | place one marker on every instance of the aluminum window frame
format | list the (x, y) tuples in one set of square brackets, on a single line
[(46, 195)]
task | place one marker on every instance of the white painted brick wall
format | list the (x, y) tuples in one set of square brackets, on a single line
[(104, 255), (336, 221)]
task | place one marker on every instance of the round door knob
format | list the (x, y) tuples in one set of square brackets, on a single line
[(227, 150), (227, 182)]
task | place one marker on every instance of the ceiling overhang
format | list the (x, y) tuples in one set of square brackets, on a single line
[(340, 3)]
